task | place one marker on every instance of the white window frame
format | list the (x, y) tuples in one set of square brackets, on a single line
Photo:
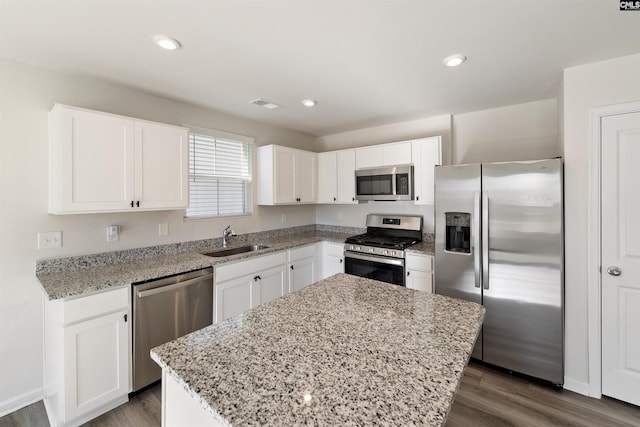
[(248, 184)]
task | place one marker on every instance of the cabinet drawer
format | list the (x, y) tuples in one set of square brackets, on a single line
[(419, 262), (86, 307), (241, 268), (302, 252)]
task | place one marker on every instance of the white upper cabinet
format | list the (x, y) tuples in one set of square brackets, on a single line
[(101, 162), (426, 153), (328, 177), (397, 153), (162, 169), (286, 176), (336, 177), (346, 160)]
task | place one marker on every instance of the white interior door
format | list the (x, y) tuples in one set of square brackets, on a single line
[(621, 257)]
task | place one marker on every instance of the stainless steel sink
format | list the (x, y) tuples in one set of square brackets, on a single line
[(239, 250)]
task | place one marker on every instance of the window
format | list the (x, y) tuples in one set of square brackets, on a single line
[(220, 166)]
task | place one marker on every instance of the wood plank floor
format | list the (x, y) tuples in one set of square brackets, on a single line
[(487, 397)]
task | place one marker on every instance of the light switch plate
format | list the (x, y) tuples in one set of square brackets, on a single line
[(113, 233), (51, 239), (163, 229)]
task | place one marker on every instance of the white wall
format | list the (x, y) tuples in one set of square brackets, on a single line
[(517, 132), (604, 83), (26, 95)]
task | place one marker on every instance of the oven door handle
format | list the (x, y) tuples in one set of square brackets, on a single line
[(372, 258)]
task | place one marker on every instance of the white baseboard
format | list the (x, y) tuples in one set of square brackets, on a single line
[(11, 405), (576, 386)]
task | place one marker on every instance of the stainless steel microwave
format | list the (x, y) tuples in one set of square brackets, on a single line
[(385, 183)]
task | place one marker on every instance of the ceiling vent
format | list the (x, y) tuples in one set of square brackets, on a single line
[(264, 103)]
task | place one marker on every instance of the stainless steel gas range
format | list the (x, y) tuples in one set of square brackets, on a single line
[(380, 252)]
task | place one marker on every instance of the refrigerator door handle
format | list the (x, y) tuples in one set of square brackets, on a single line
[(485, 240), (477, 259)]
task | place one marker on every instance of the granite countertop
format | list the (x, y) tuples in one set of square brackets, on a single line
[(366, 352), (424, 248), (111, 271), (71, 282)]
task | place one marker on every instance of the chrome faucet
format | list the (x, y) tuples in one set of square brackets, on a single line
[(227, 232)]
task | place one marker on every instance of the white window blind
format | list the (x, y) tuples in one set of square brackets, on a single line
[(219, 175)]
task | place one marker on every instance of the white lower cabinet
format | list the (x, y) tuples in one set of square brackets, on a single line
[(87, 356), (246, 284), (302, 267), (332, 259), (419, 272), (235, 296)]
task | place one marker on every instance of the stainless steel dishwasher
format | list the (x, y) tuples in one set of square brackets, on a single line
[(163, 310)]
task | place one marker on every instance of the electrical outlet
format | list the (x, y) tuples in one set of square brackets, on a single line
[(113, 233), (48, 240), (339, 216), (284, 217), (163, 229)]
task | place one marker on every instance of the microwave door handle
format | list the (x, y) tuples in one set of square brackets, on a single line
[(394, 184)]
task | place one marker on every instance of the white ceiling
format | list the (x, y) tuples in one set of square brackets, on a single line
[(367, 62)]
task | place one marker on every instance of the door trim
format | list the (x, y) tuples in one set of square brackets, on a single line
[(594, 244)]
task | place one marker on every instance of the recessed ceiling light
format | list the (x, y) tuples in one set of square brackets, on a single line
[(454, 60), (167, 42), (309, 102)]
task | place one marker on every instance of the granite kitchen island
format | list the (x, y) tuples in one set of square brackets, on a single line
[(343, 351)]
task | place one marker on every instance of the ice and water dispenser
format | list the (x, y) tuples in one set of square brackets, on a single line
[(458, 232)]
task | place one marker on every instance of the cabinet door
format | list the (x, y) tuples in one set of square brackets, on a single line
[(236, 296), (92, 161), (305, 176), (272, 284), (162, 174), (301, 273), (398, 153), (327, 177), (346, 181), (369, 157), (285, 175), (332, 259), (426, 153), (420, 280), (96, 363)]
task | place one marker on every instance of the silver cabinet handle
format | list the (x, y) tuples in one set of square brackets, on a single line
[(614, 271)]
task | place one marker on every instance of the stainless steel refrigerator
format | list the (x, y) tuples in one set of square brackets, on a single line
[(499, 242)]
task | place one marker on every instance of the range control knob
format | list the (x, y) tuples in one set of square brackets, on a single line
[(371, 250), (386, 252), (358, 248)]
